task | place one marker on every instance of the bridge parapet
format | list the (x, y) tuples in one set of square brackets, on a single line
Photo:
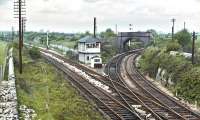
[(124, 37)]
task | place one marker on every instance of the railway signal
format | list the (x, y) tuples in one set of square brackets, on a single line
[(19, 13), (130, 27), (193, 46)]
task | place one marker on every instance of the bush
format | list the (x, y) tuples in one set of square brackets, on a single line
[(34, 53), (149, 63), (189, 85), (173, 46), (15, 45)]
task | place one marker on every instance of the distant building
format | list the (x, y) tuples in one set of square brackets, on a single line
[(89, 49)]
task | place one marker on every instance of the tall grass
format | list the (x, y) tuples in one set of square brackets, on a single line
[(3, 52), (42, 85)]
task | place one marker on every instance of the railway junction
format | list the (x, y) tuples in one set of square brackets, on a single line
[(123, 93)]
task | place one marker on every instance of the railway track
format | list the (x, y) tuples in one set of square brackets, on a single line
[(170, 107), (122, 94), (162, 111), (125, 96), (106, 102)]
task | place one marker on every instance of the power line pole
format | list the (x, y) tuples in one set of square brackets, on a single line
[(193, 46), (173, 24), (19, 12), (20, 38), (95, 22)]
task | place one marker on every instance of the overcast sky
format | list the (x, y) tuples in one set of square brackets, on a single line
[(77, 15)]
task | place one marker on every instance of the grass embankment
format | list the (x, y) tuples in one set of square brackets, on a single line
[(184, 75), (3, 51), (44, 89), (3, 54)]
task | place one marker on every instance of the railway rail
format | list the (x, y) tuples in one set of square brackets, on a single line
[(159, 96), (106, 102), (130, 99), (122, 94), (171, 108)]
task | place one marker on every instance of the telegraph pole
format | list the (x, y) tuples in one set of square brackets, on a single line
[(193, 46), (173, 23), (19, 12), (95, 27), (20, 38)]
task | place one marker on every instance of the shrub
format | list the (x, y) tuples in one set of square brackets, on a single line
[(15, 45), (34, 53), (148, 62), (173, 46)]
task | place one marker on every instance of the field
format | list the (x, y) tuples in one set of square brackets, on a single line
[(69, 44), (3, 47), (43, 88)]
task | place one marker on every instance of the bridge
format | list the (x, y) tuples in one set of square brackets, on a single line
[(124, 37)]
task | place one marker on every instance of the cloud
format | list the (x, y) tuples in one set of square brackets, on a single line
[(92, 1), (77, 15)]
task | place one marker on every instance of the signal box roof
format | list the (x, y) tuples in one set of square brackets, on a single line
[(89, 39)]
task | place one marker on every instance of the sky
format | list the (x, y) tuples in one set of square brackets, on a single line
[(77, 15)]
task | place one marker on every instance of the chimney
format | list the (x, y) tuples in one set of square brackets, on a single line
[(94, 27)]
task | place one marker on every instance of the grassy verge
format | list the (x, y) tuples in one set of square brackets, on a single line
[(44, 89), (3, 54), (184, 75), (69, 44), (3, 49)]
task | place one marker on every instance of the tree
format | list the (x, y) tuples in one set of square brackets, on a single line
[(87, 33), (184, 38), (153, 33), (108, 33)]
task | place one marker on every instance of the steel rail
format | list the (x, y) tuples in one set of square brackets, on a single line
[(157, 94), (158, 109), (121, 93), (125, 113)]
